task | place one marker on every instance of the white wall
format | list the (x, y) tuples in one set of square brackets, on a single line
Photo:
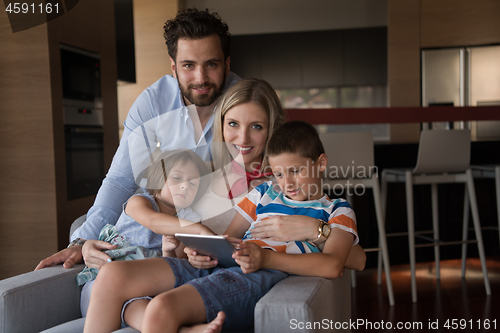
[(246, 17)]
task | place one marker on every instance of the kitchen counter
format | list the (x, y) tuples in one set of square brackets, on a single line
[(394, 115)]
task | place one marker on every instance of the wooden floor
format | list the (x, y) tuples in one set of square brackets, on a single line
[(464, 300)]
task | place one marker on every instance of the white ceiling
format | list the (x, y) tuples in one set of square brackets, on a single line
[(273, 16)]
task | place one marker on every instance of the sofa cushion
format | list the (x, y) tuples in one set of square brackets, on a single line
[(37, 300), (76, 326), (300, 302)]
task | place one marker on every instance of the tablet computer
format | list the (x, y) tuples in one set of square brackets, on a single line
[(216, 247)]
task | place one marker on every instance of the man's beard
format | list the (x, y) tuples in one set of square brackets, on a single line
[(202, 100)]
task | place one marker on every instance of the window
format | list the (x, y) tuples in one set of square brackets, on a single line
[(339, 97)]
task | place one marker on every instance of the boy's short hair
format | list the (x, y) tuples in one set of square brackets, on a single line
[(156, 173), (296, 137), (192, 23)]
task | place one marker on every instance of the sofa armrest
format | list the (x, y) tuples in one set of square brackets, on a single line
[(305, 304), (40, 299)]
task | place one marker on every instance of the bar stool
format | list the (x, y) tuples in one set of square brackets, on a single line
[(480, 171), (443, 157), (350, 166)]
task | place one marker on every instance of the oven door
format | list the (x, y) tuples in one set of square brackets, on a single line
[(84, 160)]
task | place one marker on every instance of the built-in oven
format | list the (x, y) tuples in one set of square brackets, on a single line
[(83, 121), (84, 151)]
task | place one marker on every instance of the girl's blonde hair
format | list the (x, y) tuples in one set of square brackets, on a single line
[(245, 91), (157, 172)]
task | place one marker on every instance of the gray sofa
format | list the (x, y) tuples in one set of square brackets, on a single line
[(49, 299)]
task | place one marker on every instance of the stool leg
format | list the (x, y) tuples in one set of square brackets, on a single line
[(477, 229), (497, 186), (382, 239), (435, 227), (411, 233), (383, 208), (380, 264), (465, 231), (353, 272)]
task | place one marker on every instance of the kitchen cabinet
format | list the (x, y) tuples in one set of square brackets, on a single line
[(322, 56), (125, 44), (246, 58), (316, 59), (365, 57), (281, 60)]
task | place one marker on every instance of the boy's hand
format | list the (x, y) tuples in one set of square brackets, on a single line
[(250, 257), (199, 261), (169, 244)]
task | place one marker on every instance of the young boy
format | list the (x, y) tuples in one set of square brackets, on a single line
[(193, 292), (297, 159)]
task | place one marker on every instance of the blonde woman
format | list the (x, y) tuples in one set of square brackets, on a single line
[(245, 118)]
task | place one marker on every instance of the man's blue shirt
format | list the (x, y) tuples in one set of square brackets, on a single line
[(158, 118)]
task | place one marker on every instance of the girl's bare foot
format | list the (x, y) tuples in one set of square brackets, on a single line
[(215, 326)]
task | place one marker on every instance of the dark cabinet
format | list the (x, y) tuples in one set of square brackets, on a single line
[(365, 56), (245, 57), (281, 60), (314, 59), (125, 45), (322, 55)]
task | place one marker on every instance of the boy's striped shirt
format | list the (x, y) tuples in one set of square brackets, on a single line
[(268, 200)]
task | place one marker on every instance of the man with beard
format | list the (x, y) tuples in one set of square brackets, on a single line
[(175, 112)]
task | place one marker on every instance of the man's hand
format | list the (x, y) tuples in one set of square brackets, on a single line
[(68, 257), (198, 261), (93, 255), (251, 257), (286, 228)]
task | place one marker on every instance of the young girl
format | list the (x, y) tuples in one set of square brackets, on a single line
[(175, 181)]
